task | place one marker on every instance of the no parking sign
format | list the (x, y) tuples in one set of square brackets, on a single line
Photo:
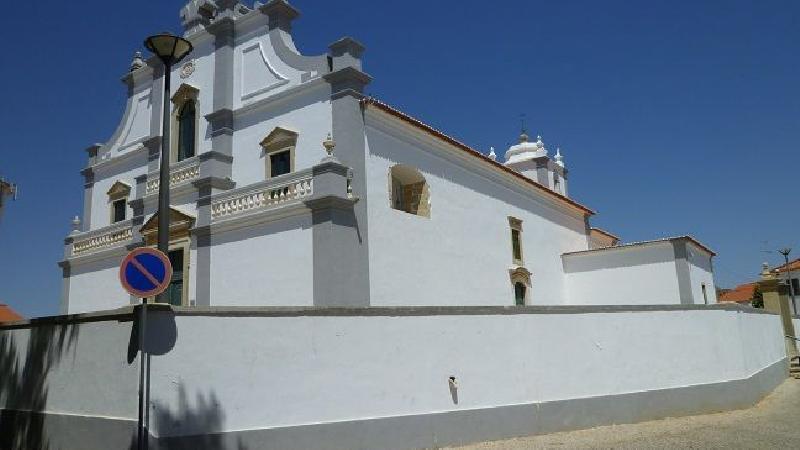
[(145, 272)]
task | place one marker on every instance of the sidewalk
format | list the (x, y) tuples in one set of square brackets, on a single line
[(773, 423)]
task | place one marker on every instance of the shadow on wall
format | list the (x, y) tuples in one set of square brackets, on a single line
[(193, 427), (23, 383)]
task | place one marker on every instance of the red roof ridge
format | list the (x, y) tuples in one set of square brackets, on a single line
[(453, 141)]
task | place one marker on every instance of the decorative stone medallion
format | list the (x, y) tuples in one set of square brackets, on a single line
[(187, 70)]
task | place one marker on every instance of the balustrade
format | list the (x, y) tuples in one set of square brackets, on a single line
[(264, 197)]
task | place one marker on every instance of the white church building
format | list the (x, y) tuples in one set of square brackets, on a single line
[(347, 277), (401, 215)]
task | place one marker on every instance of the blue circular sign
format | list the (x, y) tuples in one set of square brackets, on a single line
[(145, 272)]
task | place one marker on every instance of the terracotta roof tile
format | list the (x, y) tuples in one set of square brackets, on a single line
[(792, 266), (8, 315), (740, 294)]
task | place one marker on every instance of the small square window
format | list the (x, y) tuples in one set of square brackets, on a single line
[(280, 163), (119, 210)]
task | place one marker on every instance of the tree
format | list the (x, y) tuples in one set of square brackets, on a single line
[(758, 298)]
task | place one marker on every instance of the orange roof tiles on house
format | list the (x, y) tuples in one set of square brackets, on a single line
[(606, 233), (371, 101), (8, 315), (792, 266), (740, 294)]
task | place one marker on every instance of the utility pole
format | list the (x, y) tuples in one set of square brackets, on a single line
[(785, 252)]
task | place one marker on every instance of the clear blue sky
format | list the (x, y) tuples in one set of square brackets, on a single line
[(674, 117)]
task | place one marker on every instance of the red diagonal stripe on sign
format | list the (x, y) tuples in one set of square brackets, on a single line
[(144, 271)]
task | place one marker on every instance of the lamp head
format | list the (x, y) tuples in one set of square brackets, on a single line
[(170, 49)]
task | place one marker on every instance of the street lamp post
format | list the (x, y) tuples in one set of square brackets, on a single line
[(170, 49), (785, 252)]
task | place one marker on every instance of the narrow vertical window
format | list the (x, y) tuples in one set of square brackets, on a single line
[(517, 247), (186, 131), (519, 293), (705, 294), (516, 240)]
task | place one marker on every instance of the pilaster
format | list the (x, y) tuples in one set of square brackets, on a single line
[(347, 87), (340, 259)]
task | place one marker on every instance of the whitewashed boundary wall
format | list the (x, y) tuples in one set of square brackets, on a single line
[(378, 378)]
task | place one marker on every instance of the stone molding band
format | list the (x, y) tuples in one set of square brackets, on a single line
[(127, 313)]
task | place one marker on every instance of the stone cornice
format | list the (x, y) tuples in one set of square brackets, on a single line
[(331, 202), (280, 13), (347, 79), (221, 122), (347, 45)]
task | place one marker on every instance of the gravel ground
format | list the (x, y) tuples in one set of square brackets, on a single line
[(773, 423)]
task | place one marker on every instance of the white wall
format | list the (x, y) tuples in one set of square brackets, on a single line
[(126, 171), (80, 369), (95, 285), (633, 275), (272, 372), (701, 272), (270, 264), (261, 369), (462, 253), (308, 113)]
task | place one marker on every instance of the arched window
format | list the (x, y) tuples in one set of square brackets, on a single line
[(409, 191), (187, 118), (183, 142), (521, 281)]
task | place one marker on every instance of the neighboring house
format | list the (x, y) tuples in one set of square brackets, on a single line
[(743, 294), (791, 271), (402, 214), (8, 315)]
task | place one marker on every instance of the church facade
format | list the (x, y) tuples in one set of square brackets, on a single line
[(291, 187)]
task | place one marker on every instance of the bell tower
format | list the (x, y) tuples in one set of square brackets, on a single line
[(531, 160)]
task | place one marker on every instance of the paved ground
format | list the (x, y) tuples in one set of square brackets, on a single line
[(773, 423)]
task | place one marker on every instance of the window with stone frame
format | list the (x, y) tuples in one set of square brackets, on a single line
[(521, 283), (279, 149), (409, 191), (187, 116), (185, 123), (118, 201), (516, 240)]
